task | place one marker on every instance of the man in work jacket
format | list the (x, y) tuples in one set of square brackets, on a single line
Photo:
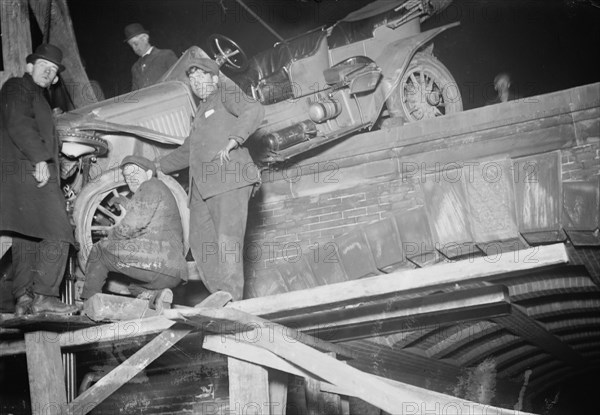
[(147, 244), (222, 176)]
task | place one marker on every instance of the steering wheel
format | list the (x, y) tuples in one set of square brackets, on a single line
[(226, 51)]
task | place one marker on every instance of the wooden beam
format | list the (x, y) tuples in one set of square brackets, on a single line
[(248, 388), (344, 324), (16, 38), (278, 389), (383, 287), (46, 377), (390, 398), (519, 323), (112, 332), (116, 378), (347, 294)]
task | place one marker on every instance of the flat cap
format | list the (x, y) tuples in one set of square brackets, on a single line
[(207, 65), (143, 162)]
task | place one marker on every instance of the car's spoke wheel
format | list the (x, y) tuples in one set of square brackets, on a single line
[(96, 211), (426, 90)]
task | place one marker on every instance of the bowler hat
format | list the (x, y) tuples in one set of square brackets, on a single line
[(207, 65), (47, 52), (134, 29), (140, 161)]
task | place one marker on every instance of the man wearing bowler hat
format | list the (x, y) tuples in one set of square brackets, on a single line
[(222, 175), (32, 204), (153, 62)]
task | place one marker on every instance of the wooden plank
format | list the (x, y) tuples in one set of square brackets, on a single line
[(227, 345), (116, 378), (519, 323), (248, 388), (46, 376), (406, 281), (16, 38), (460, 306), (389, 397)]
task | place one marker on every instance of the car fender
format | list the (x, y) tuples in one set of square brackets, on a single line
[(394, 60)]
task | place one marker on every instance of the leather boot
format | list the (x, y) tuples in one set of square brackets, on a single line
[(23, 305), (47, 304)]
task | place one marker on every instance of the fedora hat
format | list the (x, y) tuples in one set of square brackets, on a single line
[(47, 52), (134, 29)]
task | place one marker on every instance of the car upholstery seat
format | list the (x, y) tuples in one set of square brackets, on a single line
[(288, 69)]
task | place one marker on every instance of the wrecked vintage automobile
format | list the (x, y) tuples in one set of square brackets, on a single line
[(318, 87)]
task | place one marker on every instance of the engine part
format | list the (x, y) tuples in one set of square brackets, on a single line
[(324, 110), (287, 137)]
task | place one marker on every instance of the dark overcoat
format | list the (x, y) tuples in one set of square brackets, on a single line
[(227, 113), (28, 137), (148, 69)]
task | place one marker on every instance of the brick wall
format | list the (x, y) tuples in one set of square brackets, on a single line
[(285, 228), (581, 162)]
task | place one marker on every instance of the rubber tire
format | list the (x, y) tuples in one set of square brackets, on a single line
[(94, 192), (441, 75)]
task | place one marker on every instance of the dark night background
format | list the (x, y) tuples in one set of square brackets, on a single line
[(546, 45)]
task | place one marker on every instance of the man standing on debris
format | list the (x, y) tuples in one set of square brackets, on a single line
[(153, 62), (32, 205), (222, 173), (147, 244)]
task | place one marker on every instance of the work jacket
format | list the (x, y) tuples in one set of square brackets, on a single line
[(227, 114), (150, 236)]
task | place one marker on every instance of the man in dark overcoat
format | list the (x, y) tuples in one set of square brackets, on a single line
[(32, 204), (147, 245), (153, 62), (222, 175)]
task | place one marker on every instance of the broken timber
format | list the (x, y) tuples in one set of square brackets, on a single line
[(264, 349)]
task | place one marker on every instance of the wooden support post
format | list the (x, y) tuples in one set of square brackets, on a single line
[(278, 389), (248, 388), (320, 402), (16, 39), (46, 376)]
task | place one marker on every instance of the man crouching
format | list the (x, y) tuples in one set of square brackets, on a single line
[(147, 245)]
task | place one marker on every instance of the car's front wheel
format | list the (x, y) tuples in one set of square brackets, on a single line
[(426, 90)]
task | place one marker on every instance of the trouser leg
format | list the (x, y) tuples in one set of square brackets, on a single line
[(107, 256), (96, 273), (217, 229), (39, 266)]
